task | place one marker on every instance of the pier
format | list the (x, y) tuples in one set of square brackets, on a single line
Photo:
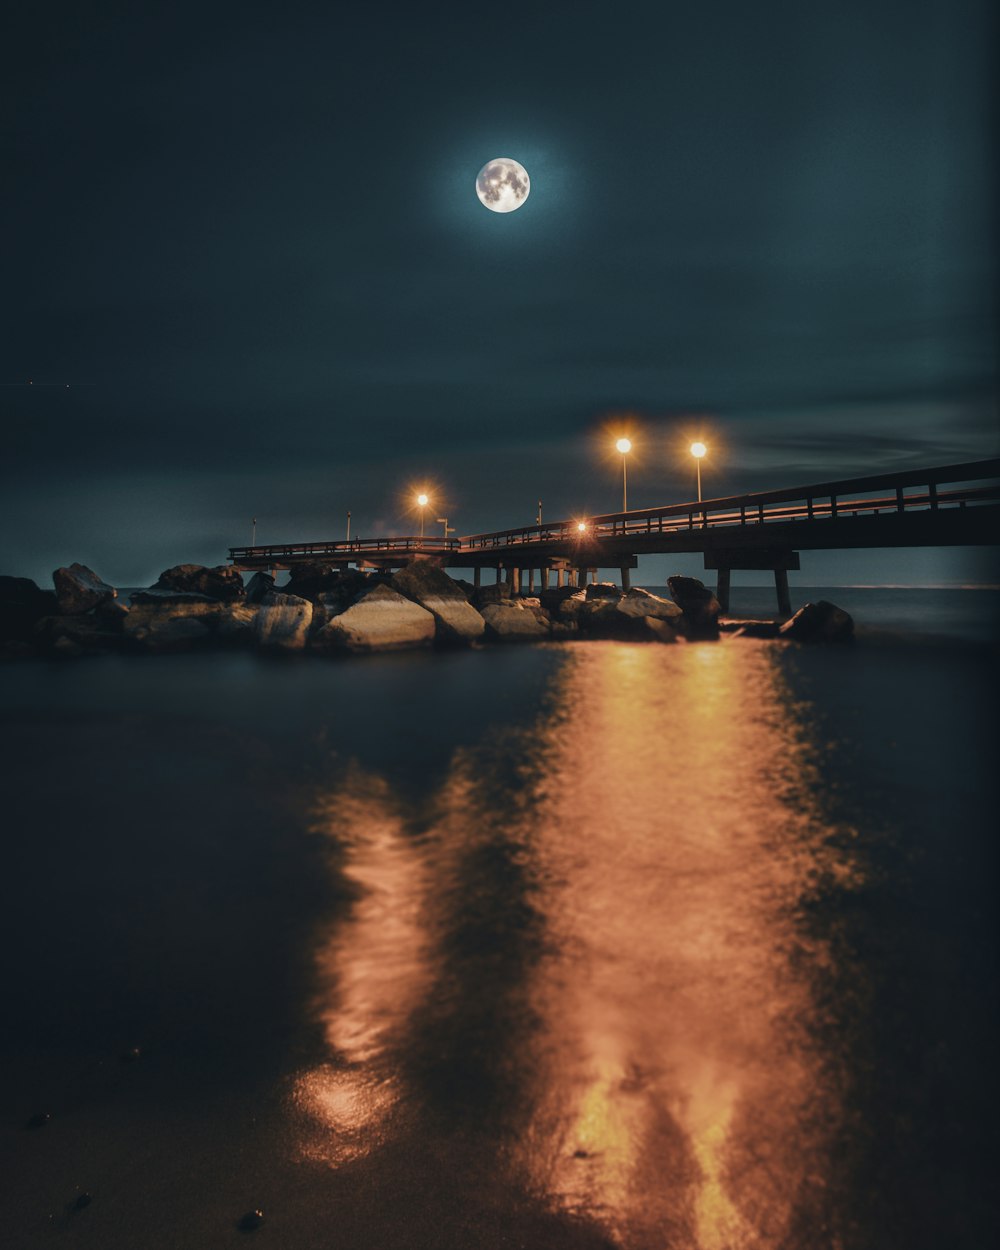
[(951, 505)]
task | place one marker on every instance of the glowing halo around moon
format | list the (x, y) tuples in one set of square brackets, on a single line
[(503, 184)]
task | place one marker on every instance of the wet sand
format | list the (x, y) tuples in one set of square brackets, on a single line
[(603, 945)]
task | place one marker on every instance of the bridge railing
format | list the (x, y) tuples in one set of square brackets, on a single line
[(345, 548), (820, 501)]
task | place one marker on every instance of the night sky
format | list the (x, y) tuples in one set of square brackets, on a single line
[(247, 272)]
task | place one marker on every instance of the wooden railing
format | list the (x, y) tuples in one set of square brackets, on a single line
[(347, 547), (822, 501), (971, 484)]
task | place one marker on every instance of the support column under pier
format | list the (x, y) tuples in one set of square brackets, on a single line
[(531, 581), (626, 579), (781, 586), (722, 589), (778, 560), (477, 577)]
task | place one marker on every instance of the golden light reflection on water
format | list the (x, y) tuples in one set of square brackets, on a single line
[(668, 835)]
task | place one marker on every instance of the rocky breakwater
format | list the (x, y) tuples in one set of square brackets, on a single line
[(325, 612)]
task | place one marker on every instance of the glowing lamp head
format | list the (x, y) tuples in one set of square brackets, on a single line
[(698, 450), (581, 527), (423, 500), (624, 445)]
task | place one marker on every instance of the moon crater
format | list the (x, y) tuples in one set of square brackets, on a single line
[(503, 184)]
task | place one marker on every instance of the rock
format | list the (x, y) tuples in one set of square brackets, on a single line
[(467, 588), (283, 622), (259, 585), (178, 601), (699, 607), (602, 590), (381, 619), (87, 633), (640, 603), (510, 622), (500, 592), (819, 622), (564, 629), (113, 613), (22, 606), (456, 619), (659, 629), (751, 629), (235, 622), (572, 605), (222, 582), (162, 632), (309, 581), (78, 589)]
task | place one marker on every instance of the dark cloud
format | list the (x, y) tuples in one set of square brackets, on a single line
[(254, 234)]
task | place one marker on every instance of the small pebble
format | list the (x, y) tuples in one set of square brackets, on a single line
[(252, 1220), (39, 1120), (581, 1154), (82, 1200)]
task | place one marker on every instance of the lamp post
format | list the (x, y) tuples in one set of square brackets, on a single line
[(422, 501), (624, 445), (538, 517), (448, 529), (698, 450), (348, 526), (253, 532)]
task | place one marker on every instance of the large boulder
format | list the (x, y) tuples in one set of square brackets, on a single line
[(162, 632), (512, 622), (79, 589), (498, 592), (699, 607), (259, 587), (309, 581), (222, 582), (641, 603), (282, 622), (601, 590), (456, 619), (821, 621), (236, 622), (381, 619), (87, 632), (22, 606)]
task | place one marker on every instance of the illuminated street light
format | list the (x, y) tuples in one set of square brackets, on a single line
[(581, 526), (624, 445), (698, 450), (422, 501)]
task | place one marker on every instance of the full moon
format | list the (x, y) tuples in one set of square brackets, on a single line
[(503, 184)]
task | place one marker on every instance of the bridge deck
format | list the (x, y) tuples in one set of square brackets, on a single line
[(885, 510)]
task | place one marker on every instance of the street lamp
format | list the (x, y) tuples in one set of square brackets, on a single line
[(581, 527), (448, 529), (422, 502), (698, 450), (348, 526), (624, 445)]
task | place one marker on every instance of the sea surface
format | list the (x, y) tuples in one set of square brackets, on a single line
[(583, 945)]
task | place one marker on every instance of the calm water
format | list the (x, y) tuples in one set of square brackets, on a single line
[(562, 946)]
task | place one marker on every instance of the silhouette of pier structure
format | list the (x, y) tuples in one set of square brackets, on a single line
[(951, 505)]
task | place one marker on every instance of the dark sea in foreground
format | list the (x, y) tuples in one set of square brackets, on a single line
[(571, 945)]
